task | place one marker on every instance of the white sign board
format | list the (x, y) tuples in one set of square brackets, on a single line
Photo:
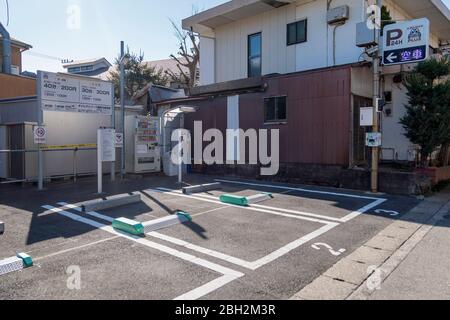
[(366, 117), (40, 134), (406, 42), (119, 140), (67, 93), (373, 139), (107, 145)]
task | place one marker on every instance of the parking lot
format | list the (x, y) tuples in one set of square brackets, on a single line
[(268, 250)]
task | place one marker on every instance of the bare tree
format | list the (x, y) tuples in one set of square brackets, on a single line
[(187, 59)]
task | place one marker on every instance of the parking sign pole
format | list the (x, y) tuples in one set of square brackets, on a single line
[(99, 162), (376, 96), (113, 125), (40, 121)]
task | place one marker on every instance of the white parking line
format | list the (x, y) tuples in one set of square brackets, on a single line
[(162, 190), (75, 248), (347, 218), (199, 249), (207, 288), (351, 216), (246, 264), (297, 189), (209, 211), (306, 214), (197, 293)]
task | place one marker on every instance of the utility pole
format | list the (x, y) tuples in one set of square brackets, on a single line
[(376, 97), (113, 125), (122, 106)]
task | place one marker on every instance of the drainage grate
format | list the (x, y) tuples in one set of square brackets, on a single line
[(10, 265)]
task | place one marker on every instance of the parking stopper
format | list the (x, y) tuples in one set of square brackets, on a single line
[(161, 223), (235, 200), (202, 188), (259, 198), (111, 202), (10, 265), (129, 226), (26, 259)]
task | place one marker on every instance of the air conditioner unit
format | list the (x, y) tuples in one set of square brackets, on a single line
[(338, 14)]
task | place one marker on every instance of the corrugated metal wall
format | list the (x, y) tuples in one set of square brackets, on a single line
[(318, 111)]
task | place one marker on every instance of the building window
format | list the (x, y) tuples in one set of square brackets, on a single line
[(74, 70), (275, 109), (297, 32), (254, 55), (87, 68)]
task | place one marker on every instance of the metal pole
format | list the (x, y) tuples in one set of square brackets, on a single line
[(122, 106), (75, 165), (99, 163), (376, 96), (40, 120), (180, 154), (113, 125)]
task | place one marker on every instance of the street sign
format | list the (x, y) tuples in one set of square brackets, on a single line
[(406, 42), (373, 139), (106, 152), (119, 140), (40, 135), (106, 145)]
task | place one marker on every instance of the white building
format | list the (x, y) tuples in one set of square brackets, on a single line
[(247, 38)]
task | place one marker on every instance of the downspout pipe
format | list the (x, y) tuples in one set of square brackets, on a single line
[(6, 44)]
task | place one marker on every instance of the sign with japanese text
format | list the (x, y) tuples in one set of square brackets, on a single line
[(406, 42), (67, 93)]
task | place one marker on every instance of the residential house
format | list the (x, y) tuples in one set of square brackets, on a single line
[(98, 68), (294, 65), (172, 67), (14, 84)]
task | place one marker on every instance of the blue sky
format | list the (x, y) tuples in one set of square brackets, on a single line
[(142, 24)]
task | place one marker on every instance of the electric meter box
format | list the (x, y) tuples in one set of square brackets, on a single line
[(365, 37), (142, 144)]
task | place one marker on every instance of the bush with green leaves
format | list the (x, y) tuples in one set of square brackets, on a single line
[(137, 75), (427, 118)]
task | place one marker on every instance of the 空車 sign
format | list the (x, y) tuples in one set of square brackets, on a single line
[(406, 42), (66, 93)]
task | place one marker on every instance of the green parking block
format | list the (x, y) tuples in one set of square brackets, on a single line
[(129, 226), (235, 200), (185, 215), (27, 260)]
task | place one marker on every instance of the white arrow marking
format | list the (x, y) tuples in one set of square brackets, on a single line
[(317, 246), (390, 58), (390, 212)]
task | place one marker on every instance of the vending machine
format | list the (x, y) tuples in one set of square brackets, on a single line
[(142, 144)]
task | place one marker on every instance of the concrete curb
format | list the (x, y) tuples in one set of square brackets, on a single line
[(358, 275)]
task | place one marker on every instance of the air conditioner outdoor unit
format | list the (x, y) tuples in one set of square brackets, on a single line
[(338, 14)]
